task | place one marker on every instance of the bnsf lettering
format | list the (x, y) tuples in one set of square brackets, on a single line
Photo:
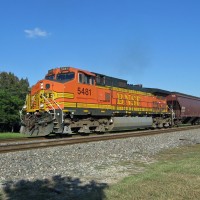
[(84, 91), (128, 99), (46, 95)]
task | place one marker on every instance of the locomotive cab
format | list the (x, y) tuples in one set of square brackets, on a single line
[(55, 97)]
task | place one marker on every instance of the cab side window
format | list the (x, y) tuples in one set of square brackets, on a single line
[(81, 78), (92, 82), (85, 79)]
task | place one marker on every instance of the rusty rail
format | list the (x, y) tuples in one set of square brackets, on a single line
[(11, 147)]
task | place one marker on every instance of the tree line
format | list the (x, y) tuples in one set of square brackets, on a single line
[(12, 97)]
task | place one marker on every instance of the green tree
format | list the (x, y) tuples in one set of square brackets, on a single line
[(12, 96)]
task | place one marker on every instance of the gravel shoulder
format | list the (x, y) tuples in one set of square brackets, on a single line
[(104, 162)]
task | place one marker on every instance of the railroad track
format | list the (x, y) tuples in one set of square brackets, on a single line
[(20, 139), (11, 147)]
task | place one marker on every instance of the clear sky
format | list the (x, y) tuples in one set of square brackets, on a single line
[(151, 42)]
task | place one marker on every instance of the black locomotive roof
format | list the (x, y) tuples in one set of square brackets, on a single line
[(117, 82), (157, 91), (102, 79)]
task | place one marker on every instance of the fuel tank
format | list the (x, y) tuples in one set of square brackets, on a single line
[(131, 123)]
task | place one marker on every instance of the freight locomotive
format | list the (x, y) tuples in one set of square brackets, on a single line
[(70, 101)]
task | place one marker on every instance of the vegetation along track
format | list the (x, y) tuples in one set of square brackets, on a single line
[(11, 147)]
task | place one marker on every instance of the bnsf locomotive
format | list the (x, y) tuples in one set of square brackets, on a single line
[(70, 100)]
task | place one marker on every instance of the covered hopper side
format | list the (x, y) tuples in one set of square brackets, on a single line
[(185, 107)]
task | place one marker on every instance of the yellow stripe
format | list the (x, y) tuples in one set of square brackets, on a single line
[(89, 105), (105, 107), (110, 107), (63, 95), (125, 90), (69, 104)]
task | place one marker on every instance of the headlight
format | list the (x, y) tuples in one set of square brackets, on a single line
[(24, 107), (42, 105)]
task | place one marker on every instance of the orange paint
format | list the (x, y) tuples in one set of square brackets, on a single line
[(83, 89)]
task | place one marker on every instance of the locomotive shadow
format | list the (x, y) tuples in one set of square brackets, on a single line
[(57, 187)]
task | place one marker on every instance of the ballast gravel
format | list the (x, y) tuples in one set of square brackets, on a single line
[(102, 162)]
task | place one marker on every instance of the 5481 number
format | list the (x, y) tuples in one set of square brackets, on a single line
[(84, 91)]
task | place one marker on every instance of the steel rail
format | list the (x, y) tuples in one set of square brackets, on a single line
[(20, 139), (77, 140)]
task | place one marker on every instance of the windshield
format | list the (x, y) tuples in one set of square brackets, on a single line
[(49, 77), (64, 77)]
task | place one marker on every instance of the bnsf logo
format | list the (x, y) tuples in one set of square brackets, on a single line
[(128, 99), (46, 95)]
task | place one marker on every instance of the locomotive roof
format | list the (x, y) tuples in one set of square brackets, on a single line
[(119, 79), (157, 91), (117, 82)]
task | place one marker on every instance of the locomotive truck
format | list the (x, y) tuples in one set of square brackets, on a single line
[(70, 101)]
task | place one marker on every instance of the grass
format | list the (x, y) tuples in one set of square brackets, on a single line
[(11, 135), (175, 176)]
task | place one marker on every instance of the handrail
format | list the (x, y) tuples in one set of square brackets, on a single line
[(172, 111), (50, 104), (59, 108)]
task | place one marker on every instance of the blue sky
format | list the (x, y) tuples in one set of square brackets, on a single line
[(151, 42)]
